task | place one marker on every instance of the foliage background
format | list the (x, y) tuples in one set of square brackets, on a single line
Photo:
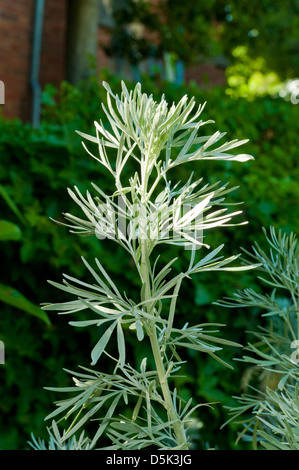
[(37, 165)]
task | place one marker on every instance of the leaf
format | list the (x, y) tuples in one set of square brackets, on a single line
[(242, 157), (102, 343), (9, 231), (207, 258), (11, 296), (139, 330), (73, 404), (121, 344), (107, 418), (199, 347), (11, 204)]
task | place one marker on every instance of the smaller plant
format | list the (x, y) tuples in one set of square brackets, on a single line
[(144, 212), (58, 441), (270, 414)]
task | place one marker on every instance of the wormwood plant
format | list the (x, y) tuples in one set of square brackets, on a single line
[(143, 213), (269, 410)]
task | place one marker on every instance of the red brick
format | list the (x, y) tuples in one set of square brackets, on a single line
[(16, 34), (15, 51)]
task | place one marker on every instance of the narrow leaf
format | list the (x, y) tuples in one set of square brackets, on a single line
[(102, 343)]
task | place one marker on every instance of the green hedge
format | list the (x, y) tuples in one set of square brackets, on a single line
[(36, 168)]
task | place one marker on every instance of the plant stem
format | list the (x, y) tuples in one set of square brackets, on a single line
[(178, 425), (145, 269)]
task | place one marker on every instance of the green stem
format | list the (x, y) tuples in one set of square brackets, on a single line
[(178, 425), (145, 269)]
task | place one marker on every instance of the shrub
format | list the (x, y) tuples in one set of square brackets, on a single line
[(270, 413), (37, 166), (143, 212)]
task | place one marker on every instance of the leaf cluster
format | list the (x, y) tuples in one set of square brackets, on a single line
[(37, 166), (147, 132), (270, 413)]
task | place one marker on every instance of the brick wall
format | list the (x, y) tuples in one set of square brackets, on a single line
[(16, 35), (53, 58), (15, 52)]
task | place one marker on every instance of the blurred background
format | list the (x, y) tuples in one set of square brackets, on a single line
[(243, 59)]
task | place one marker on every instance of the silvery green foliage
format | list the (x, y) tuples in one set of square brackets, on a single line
[(58, 441), (270, 414), (144, 211)]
